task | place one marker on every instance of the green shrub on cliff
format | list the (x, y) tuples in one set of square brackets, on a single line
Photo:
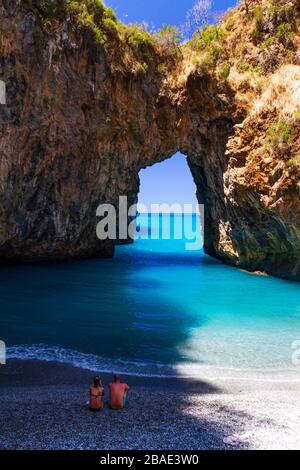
[(211, 56), (294, 161), (137, 37), (53, 9), (267, 43), (281, 12), (274, 21), (110, 25), (224, 71), (132, 124), (258, 28), (136, 45), (58, 9), (168, 36), (87, 21), (93, 15), (96, 9), (209, 39), (90, 14), (208, 36), (110, 14), (284, 33), (279, 133), (38, 38)]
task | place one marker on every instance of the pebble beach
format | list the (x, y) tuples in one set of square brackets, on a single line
[(44, 406)]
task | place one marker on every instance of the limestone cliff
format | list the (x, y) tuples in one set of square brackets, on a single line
[(90, 102)]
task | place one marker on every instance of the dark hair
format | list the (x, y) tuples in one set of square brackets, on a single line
[(97, 381), (117, 378)]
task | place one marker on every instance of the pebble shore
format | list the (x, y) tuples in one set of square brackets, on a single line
[(44, 406)]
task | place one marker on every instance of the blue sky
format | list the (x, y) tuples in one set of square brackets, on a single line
[(158, 12), (171, 181)]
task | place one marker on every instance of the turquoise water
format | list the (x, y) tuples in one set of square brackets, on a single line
[(155, 308)]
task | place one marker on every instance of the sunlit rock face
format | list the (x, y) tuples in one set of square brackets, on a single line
[(76, 130)]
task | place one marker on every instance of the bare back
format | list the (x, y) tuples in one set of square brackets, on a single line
[(117, 395), (96, 398)]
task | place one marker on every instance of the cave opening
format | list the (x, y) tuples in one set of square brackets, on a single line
[(169, 182), (167, 205)]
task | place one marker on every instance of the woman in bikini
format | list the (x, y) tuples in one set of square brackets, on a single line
[(96, 395)]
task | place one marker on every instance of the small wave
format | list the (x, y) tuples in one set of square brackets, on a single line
[(102, 364), (92, 362)]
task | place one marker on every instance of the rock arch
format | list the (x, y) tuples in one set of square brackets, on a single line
[(76, 131)]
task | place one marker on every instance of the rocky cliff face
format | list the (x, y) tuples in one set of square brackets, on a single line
[(80, 122)]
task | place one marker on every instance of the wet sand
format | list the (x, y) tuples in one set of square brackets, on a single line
[(44, 406)]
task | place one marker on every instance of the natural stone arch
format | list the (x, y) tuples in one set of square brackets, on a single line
[(76, 132)]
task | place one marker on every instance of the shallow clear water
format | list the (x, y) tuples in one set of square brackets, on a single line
[(152, 308)]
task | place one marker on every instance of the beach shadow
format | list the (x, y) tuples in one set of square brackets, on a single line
[(46, 409), (87, 306)]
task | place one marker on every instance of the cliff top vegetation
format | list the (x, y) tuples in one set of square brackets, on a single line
[(254, 48)]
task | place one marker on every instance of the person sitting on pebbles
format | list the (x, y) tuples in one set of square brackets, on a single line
[(96, 395), (117, 393)]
